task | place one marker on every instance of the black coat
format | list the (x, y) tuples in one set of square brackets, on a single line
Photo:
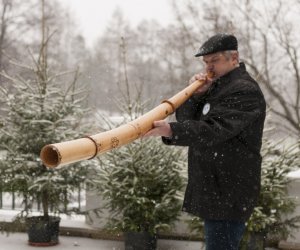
[(223, 130)]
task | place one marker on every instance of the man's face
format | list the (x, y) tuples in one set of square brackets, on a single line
[(219, 64)]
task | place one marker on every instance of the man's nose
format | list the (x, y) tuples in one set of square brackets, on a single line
[(209, 67)]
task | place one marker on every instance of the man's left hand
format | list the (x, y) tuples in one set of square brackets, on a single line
[(160, 128)]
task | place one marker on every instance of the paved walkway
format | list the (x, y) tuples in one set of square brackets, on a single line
[(18, 241)]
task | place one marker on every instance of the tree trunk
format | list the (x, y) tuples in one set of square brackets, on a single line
[(45, 203)]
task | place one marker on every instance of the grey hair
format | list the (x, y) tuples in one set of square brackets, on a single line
[(229, 53)]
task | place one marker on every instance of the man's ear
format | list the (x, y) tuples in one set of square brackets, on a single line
[(235, 57)]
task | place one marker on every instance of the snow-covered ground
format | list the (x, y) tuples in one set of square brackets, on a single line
[(74, 221)]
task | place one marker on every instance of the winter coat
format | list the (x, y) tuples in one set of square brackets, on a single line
[(223, 130)]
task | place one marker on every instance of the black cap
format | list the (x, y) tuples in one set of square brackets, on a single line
[(217, 43)]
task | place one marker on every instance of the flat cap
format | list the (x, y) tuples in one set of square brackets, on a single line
[(217, 43)]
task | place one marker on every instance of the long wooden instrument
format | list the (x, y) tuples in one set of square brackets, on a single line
[(59, 154)]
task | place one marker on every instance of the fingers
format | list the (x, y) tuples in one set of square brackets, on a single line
[(155, 130), (148, 134), (160, 123), (196, 77), (160, 128)]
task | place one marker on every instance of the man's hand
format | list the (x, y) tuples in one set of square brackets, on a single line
[(161, 128), (204, 87)]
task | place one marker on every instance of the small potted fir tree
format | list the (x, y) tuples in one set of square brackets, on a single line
[(40, 109), (140, 184), (268, 224)]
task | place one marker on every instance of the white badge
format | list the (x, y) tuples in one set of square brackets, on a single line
[(206, 108)]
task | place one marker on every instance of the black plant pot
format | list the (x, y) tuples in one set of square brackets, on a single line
[(256, 241), (140, 240), (43, 231), (253, 241)]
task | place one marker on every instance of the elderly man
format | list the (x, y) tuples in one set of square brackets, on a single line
[(222, 125)]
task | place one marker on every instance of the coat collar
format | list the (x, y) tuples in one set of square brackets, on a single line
[(233, 74), (230, 76), (224, 80)]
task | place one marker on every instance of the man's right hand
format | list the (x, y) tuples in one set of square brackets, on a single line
[(204, 87)]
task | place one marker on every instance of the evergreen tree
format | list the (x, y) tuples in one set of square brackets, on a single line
[(270, 221), (39, 109), (270, 218), (141, 183)]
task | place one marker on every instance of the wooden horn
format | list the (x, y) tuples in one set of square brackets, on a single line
[(59, 154)]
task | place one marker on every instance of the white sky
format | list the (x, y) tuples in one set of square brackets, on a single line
[(93, 15)]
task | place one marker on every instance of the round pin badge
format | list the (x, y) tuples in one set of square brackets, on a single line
[(206, 108)]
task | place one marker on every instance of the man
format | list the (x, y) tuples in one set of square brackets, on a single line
[(222, 124)]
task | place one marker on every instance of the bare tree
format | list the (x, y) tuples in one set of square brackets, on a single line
[(5, 6), (269, 47), (272, 53)]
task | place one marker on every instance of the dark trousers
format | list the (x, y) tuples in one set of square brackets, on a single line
[(223, 234)]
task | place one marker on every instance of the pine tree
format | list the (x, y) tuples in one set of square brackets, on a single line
[(39, 109), (141, 183), (270, 220)]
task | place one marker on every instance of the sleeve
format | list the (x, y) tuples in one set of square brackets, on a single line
[(188, 110), (227, 118)]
